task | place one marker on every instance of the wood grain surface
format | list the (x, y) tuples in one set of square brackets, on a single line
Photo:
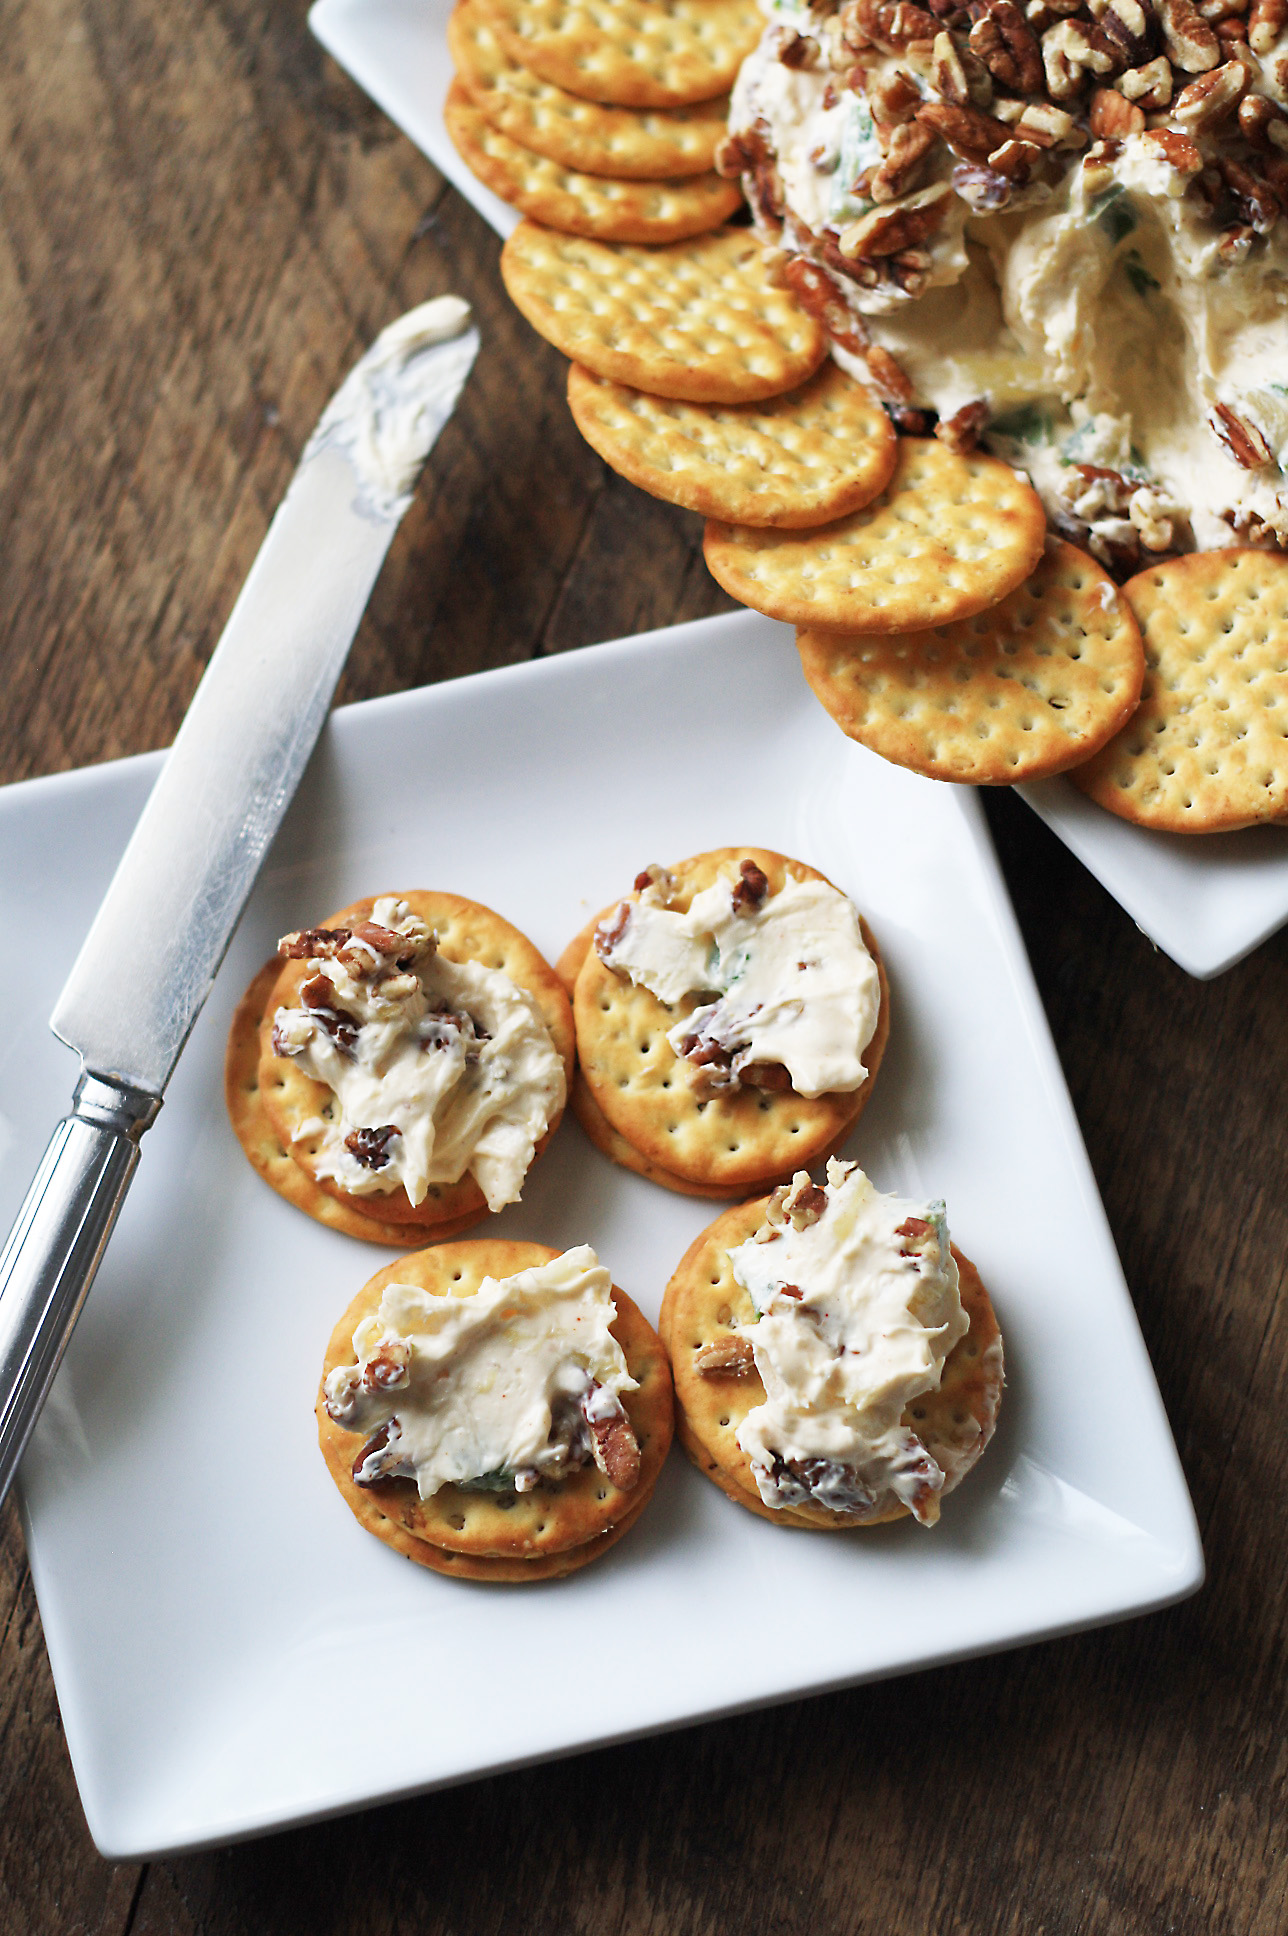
[(201, 221)]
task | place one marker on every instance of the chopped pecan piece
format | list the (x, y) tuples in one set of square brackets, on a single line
[(803, 1201), (961, 431), (1243, 440), (1110, 114), (750, 888), (318, 996), (888, 25), (371, 1146), (972, 136), (1257, 203), (915, 1227), (313, 944), (1263, 125), (1267, 20), (389, 1366), (889, 377), (1015, 160), (613, 1444), (1150, 86), (799, 50), (1125, 25), (981, 188), (893, 98), (765, 1075), (1072, 50), (726, 1357), (910, 146), (1008, 48), (1210, 99), (1176, 148), (1047, 126), (817, 294), (1188, 39), (611, 929), (949, 75), (381, 1457)]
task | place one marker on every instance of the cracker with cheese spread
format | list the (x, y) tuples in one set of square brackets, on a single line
[(837, 1361), (731, 1018), (496, 1410), (415, 1055)]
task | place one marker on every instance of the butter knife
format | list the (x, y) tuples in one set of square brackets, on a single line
[(150, 957)]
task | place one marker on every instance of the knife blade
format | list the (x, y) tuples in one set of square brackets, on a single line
[(150, 957)]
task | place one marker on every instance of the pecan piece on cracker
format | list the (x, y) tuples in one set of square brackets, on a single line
[(750, 888), (371, 1146), (313, 944), (613, 1445), (381, 1457), (389, 1366), (726, 1357)]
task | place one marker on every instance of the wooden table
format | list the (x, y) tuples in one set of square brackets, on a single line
[(200, 223)]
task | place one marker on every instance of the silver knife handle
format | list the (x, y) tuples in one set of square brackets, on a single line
[(55, 1246)]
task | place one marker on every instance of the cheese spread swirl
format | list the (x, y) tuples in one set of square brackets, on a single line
[(790, 983), (437, 1067), (858, 1307), (517, 1384)]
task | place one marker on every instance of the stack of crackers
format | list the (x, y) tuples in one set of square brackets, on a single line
[(600, 117)]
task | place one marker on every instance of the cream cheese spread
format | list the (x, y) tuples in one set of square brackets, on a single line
[(1060, 232), (393, 403), (791, 984), (504, 1387), (858, 1306), (437, 1067)]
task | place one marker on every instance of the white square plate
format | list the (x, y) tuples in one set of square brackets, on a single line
[(1206, 902), (210, 1605)]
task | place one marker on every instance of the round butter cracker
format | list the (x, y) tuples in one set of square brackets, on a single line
[(1207, 749), (466, 931), (577, 204), (791, 461), (1028, 688), (627, 143), (537, 1529), (268, 1154), (631, 53), (949, 536), (702, 1301), (700, 320), (742, 1139)]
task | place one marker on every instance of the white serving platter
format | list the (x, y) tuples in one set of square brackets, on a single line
[(1206, 902), (213, 1611)]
